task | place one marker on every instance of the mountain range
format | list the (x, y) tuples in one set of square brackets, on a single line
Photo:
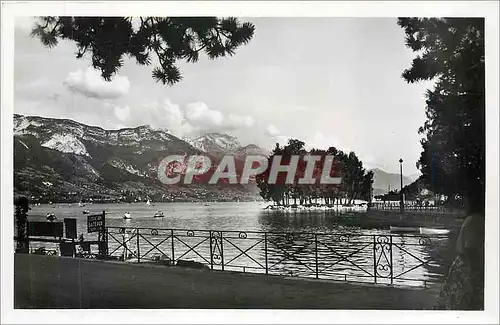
[(64, 160), (221, 144), (60, 159), (384, 181)]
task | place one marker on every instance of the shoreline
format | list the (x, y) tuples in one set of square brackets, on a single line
[(317, 207)]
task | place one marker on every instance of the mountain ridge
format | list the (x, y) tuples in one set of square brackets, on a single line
[(82, 161), (384, 181), (81, 158)]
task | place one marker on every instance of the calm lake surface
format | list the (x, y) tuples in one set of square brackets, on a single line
[(244, 216), (342, 250)]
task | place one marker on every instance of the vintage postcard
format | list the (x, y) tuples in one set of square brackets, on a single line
[(238, 162)]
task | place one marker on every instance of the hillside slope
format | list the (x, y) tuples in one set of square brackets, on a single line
[(59, 159)]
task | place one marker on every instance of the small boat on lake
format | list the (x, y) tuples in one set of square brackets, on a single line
[(158, 214), (405, 229), (51, 217), (86, 212), (432, 231), (127, 216), (419, 230)]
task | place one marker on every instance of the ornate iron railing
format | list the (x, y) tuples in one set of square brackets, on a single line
[(380, 258)]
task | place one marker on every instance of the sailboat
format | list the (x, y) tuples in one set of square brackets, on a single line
[(81, 204), (148, 202), (127, 216)]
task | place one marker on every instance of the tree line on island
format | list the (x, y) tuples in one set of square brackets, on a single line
[(356, 181)]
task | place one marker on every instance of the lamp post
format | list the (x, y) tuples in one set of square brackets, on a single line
[(401, 203)]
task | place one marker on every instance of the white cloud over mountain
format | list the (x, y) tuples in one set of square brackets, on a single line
[(90, 84), (192, 120), (199, 113), (272, 131), (207, 119)]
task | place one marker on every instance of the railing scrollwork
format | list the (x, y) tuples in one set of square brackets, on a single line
[(377, 258)]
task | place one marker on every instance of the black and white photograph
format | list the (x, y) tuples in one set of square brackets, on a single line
[(260, 157)]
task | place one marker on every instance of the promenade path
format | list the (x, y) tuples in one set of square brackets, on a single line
[(55, 282)]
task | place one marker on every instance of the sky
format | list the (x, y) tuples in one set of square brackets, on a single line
[(327, 81)]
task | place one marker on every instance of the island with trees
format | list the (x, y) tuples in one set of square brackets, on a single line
[(354, 190)]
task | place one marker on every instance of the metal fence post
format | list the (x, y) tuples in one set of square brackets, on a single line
[(221, 251), (138, 246), (106, 231), (374, 259), (173, 250), (316, 253), (265, 250), (211, 251), (391, 259)]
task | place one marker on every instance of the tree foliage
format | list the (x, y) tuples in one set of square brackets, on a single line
[(450, 51), (109, 39), (356, 181)]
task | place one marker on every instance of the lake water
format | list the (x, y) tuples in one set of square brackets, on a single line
[(247, 238)]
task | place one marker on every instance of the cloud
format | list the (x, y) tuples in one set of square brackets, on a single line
[(199, 113), (206, 119), (90, 84), (272, 131), (122, 112), (192, 120), (189, 121), (237, 121), (159, 114), (174, 120), (275, 134)]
